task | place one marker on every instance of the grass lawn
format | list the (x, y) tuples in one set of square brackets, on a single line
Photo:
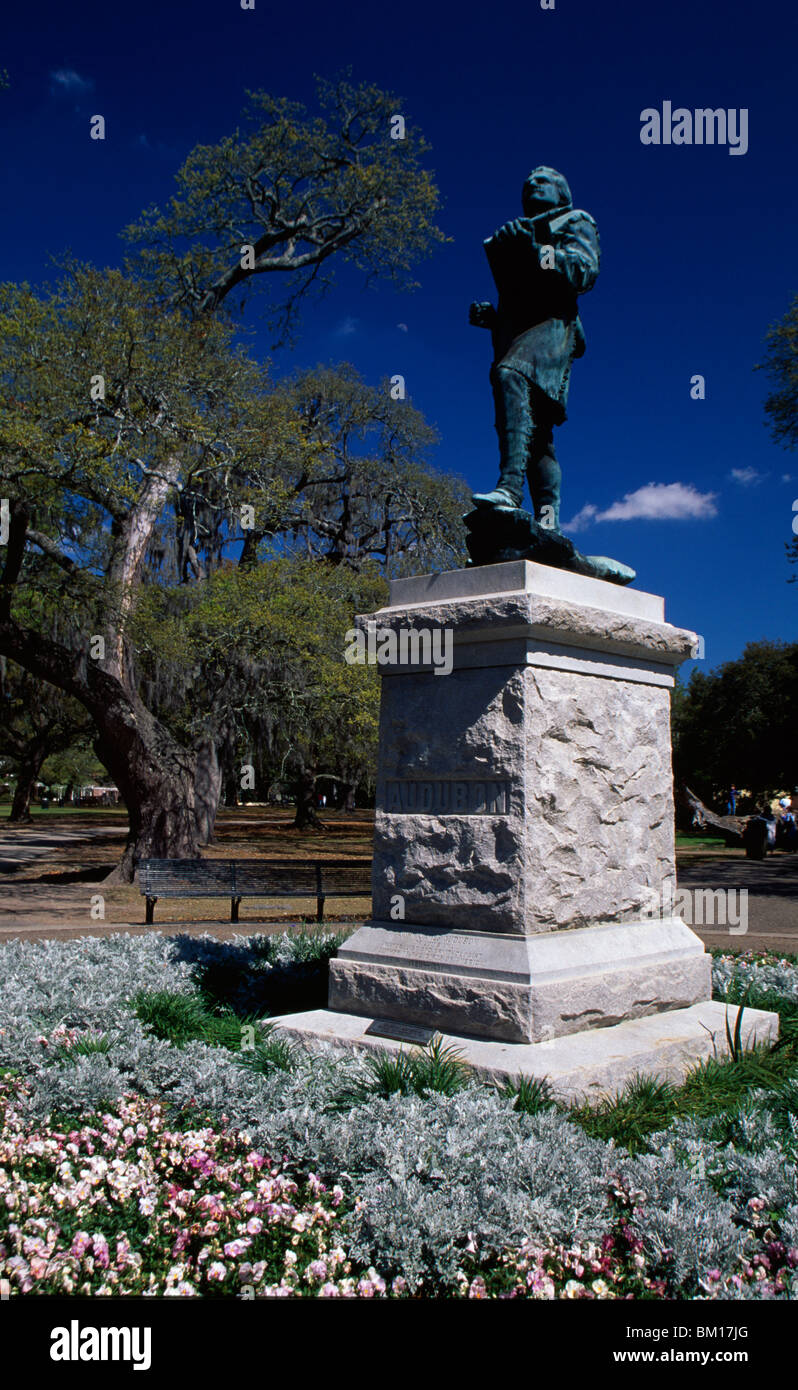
[(690, 841)]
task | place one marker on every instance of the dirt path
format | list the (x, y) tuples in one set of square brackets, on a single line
[(51, 876)]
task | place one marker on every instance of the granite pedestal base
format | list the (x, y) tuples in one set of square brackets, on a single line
[(524, 836), (519, 988), (578, 1066)]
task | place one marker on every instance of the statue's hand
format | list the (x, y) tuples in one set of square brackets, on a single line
[(518, 227), (481, 314)]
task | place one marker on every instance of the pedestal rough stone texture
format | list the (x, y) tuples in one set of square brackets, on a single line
[(563, 702), (524, 825), (524, 851), (522, 989)]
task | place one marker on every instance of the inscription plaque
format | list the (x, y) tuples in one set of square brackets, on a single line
[(401, 1032), (411, 796)]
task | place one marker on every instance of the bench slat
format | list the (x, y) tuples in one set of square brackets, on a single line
[(246, 878)]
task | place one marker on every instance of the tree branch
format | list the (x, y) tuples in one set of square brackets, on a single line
[(50, 548)]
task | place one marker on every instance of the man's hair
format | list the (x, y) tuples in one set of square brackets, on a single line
[(559, 179)]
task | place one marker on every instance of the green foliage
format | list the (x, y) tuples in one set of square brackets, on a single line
[(267, 646), (737, 725), (722, 1084), (643, 1106), (77, 764), (772, 1002), (301, 190), (42, 732), (82, 1047), (267, 974), (734, 1040), (367, 493), (271, 1054), (781, 365), (185, 1018), (713, 1087), (529, 1094), (135, 428), (781, 406), (437, 1068)]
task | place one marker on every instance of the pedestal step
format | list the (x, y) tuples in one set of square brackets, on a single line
[(526, 989), (579, 1066)]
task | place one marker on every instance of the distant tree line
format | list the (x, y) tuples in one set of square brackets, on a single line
[(738, 725)]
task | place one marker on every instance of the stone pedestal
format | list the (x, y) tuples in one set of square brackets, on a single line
[(524, 842)]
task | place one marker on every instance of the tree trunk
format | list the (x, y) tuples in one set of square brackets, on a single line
[(230, 773), (155, 776), (207, 790), (346, 796), (154, 773), (730, 827), (27, 776), (306, 817)]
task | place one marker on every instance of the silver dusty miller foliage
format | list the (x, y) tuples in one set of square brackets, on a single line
[(433, 1174)]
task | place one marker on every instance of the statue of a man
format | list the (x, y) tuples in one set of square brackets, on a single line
[(540, 263)]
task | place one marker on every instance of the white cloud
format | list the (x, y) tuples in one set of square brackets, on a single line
[(654, 502), (786, 477), (346, 327), (747, 477), (67, 80), (403, 327), (582, 519)]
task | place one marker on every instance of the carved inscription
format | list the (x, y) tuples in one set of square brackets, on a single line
[(400, 1031), (447, 798)]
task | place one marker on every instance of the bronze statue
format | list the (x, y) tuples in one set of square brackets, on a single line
[(541, 263)]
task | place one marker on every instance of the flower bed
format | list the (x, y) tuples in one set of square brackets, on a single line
[(131, 1164)]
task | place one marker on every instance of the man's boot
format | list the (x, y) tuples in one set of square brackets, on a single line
[(509, 490), (544, 477)]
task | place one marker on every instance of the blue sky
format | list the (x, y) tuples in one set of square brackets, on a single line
[(698, 245)]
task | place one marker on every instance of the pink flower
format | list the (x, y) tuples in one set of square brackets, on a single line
[(100, 1245), (234, 1248)]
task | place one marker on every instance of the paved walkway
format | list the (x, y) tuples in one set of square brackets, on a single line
[(23, 844), (772, 887)]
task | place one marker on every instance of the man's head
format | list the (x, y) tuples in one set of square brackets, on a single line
[(544, 189)]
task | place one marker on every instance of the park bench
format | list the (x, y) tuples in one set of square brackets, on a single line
[(246, 878)]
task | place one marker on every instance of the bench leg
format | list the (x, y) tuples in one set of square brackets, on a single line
[(234, 906), (320, 909), (150, 910)]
